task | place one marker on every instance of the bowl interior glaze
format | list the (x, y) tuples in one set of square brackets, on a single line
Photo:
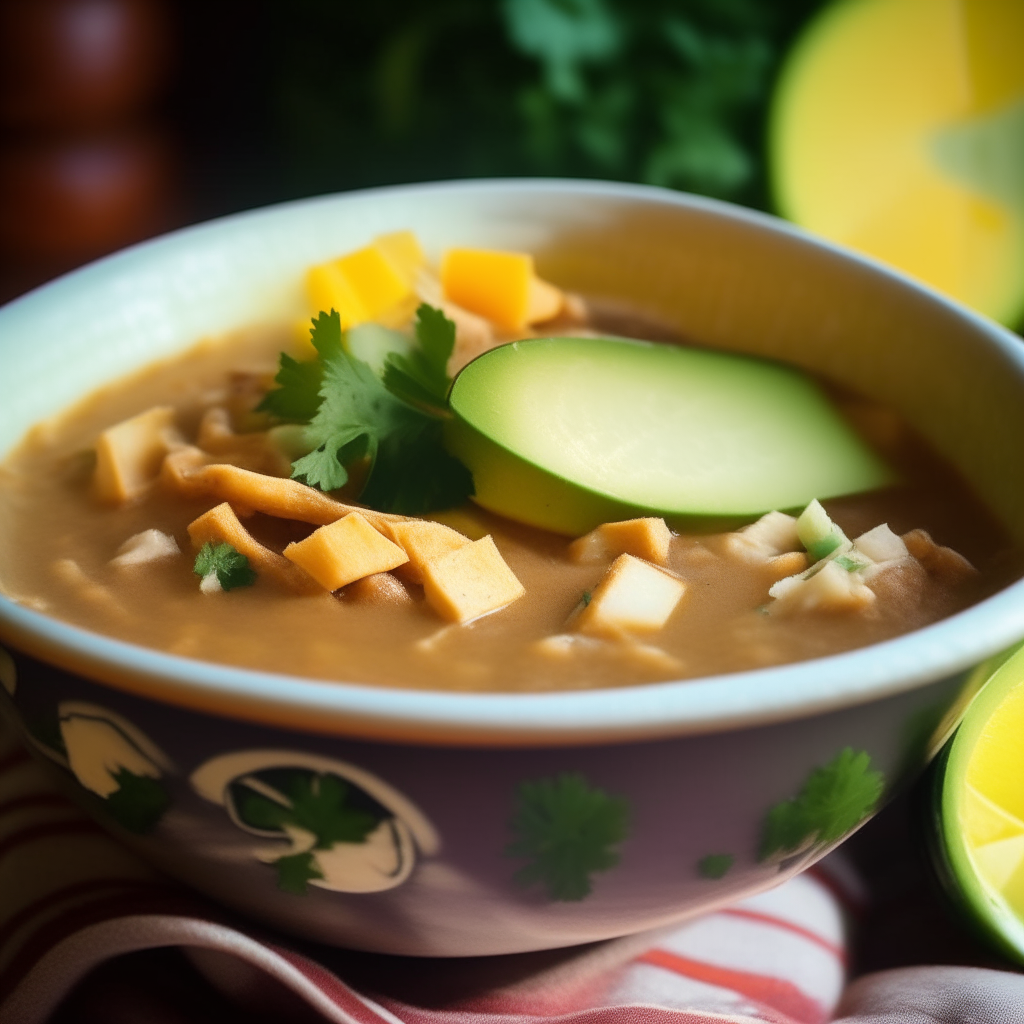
[(723, 276)]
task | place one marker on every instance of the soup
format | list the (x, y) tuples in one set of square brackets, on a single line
[(161, 560)]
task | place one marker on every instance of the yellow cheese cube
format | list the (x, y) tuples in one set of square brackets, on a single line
[(633, 596), (328, 288), (424, 542), (470, 581), (129, 454), (345, 551), (647, 538), (403, 249), (374, 277)]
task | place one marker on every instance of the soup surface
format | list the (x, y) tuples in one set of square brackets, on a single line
[(60, 546)]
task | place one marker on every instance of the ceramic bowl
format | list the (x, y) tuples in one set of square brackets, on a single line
[(693, 787)]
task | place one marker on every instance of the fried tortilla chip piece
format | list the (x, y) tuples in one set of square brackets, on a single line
[(188, 472), (221, 525)]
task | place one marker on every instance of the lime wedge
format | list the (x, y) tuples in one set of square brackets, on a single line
[(980, 804), (897, 129)]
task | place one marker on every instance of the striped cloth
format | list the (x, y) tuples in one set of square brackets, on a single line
[(72, 899)]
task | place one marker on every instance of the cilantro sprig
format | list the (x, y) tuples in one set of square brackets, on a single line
[(567, 830), (232, 568), (323, 804), (394, 422), (834, 799)]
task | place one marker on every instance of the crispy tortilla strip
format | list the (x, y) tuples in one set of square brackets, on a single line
[(221, 525), (187, 472)]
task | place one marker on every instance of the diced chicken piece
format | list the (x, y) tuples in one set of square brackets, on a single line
[(880, 545), (379, 588), (256, 451), (938, 560), (148, 546), (73, 576), (129, 454), (187, 473), (647, 538), (773, 534), (345, 551), (633, 596), (424, 542), (829, 589), (899, 583), (789, 564), (221, 526), (562, 647), (473, 334), (470, 581)]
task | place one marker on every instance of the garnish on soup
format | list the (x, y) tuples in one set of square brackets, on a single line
[(543, 519)]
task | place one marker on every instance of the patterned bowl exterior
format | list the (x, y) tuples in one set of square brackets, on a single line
[(457, 824), (463, 850)]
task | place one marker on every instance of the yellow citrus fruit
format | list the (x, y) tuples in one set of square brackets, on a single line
[(981, 806), (898, 129)]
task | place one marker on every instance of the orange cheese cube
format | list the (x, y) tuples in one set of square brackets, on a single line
[(424, 542), (470, 581), (494, 285), (129, 454), (647, 538), (633, 596), (345, 551)]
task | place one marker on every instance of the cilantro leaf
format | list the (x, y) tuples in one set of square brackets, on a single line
[(835, 799), (325, 805), (567, 830), (138, 803), (414, 473), (231, 566), (295, 871), (715, 865), (298, 397), (395, 423), (421, 377), (356, 412)]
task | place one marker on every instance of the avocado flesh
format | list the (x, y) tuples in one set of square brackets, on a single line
[(568, 433)]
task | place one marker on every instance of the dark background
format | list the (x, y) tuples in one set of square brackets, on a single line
[(122, 118)]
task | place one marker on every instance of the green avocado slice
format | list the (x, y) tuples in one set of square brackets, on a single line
[(568, 433)]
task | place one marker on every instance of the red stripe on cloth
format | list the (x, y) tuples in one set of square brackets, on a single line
[(46, 831), (789, 926), (332, 987), (636, 1013), (14, 758), (771, 993)]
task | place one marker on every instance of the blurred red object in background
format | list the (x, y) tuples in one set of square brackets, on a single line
[(79, 63), (68, 200), (84, 166)]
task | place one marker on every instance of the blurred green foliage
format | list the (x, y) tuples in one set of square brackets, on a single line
[(669, 92)]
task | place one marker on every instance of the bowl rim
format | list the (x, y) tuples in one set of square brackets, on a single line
[(939, 651)]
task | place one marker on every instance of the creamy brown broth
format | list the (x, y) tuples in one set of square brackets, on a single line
[(58, 542)]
